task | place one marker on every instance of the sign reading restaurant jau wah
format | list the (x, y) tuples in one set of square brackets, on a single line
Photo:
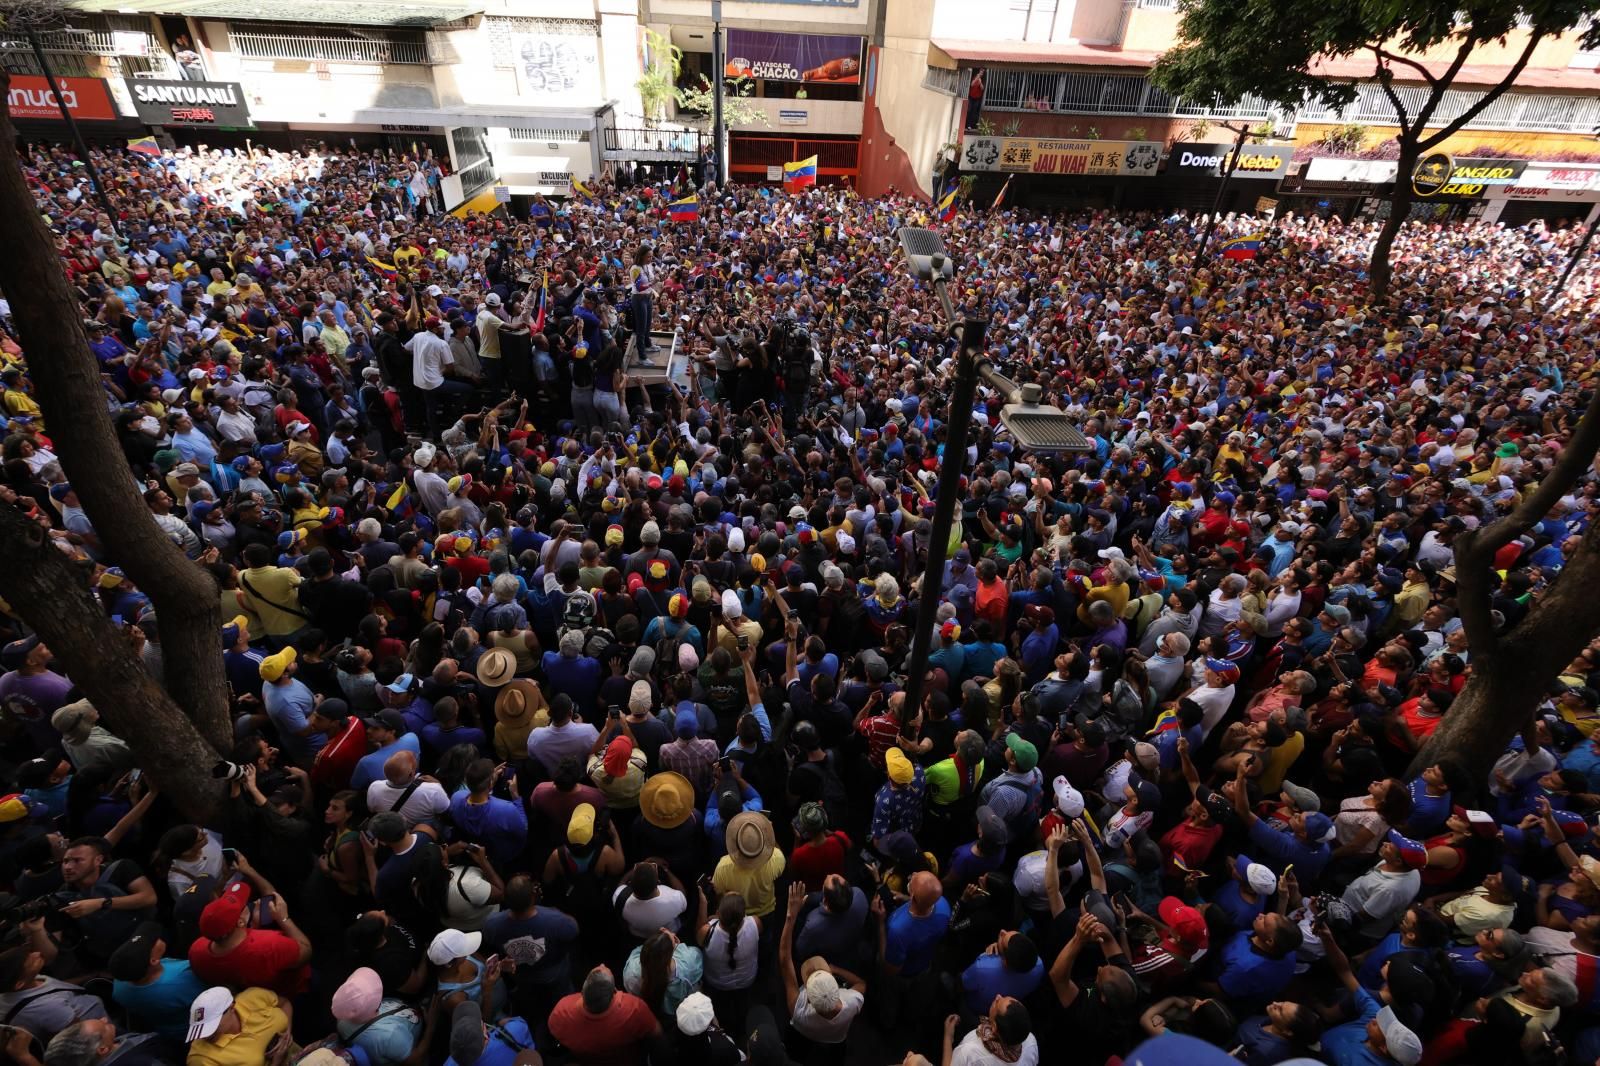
[(190, 103), (1044, 155)]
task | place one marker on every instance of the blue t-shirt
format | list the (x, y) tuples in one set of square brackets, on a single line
[(1259, 1047), (370, 768), (1249, 976), (537, 944), (1370, 974), (506, 1041), (1427, 812), (289, 707), (1231, 902), (911, 941), (162, 1006), (989, 977), (1346, 1045), (390, 1039)]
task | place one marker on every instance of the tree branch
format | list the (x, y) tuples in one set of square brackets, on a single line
[(1386, 82), (1484, 101), (51, 593), (73, 399), (1390, 57), (1475, 548)]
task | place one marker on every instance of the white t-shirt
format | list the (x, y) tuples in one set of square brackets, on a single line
[(730, 976), (971, 1052), (1214, 702), (813, 1026), (430, 354), (428, 801), (647, 916)]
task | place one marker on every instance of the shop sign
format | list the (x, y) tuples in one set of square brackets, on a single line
[(86, 98), (1470, 178), (1255, 160), (1432, 173), (190, 103), (1331, 171), (831, 59), (1042, 155), (1566, 177)]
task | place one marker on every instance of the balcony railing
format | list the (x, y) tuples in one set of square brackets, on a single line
[(1099, 94), (655, 145), (88, 42), (328, 49), (1512, 111)]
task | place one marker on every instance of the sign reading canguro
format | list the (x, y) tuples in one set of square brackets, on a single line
[(189, 103)]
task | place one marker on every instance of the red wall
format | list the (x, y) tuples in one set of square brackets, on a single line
[(883, 162)]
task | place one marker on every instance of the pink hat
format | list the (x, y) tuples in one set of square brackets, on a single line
[(358, 999)]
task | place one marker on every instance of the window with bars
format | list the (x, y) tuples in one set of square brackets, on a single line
[(327, 44), (1512, 111), (949, 82)]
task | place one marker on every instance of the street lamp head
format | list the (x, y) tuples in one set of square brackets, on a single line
[(925, 254)]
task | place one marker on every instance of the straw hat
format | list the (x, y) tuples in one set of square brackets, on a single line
[(749, 839), (496, 666), (667, 800)]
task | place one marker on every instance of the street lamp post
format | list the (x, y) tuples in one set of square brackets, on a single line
[(1032, 425), (720, 62)]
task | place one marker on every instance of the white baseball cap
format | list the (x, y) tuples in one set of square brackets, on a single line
[(453, 944), (206, 1012)]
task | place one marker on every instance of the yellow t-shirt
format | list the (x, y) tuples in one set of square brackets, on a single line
[(261, 1021), (757, 885)]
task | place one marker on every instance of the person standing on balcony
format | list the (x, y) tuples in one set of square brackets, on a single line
[(188, 60)]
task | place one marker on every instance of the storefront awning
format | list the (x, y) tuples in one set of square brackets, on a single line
[(397, 13)]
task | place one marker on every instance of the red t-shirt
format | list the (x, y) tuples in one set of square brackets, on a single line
[(266, 959), (336, 762), (811, 863), (614, 1037), (1193, 843)]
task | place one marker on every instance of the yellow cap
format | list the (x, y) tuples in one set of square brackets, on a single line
[(900, 769), (275, 666), (580, 830)]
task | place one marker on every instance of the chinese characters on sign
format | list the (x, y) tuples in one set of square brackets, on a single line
[(1039, 155)]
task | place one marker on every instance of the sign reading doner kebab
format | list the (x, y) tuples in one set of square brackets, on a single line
[(190, 103)]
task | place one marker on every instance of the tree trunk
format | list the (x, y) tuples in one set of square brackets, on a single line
[(51, 593), (1381, 269), (1509, 681), (66, 375)]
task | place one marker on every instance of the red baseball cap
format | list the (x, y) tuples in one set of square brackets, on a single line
[(221, 916), (1185, 922)]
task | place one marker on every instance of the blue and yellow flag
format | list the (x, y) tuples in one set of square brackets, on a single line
[(947, 205), (1244, 247), (800, 174), (144, 146), (583, 192), (685, 210)]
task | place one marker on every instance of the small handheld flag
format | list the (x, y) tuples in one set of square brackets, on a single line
[(947, 206), (542, 304), (685, 210), (386, 269), (799, 175), (1241, 247), (998, 200), (582, 191), (144, 145)]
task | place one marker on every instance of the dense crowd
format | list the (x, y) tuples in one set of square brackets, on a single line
[(569, 708)]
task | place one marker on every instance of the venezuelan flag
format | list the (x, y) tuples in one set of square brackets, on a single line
[(1241, 247), (144, 145), (799, 175), (542, 304), (386, 269), (947, 205), (685, 210), (583, 192)]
